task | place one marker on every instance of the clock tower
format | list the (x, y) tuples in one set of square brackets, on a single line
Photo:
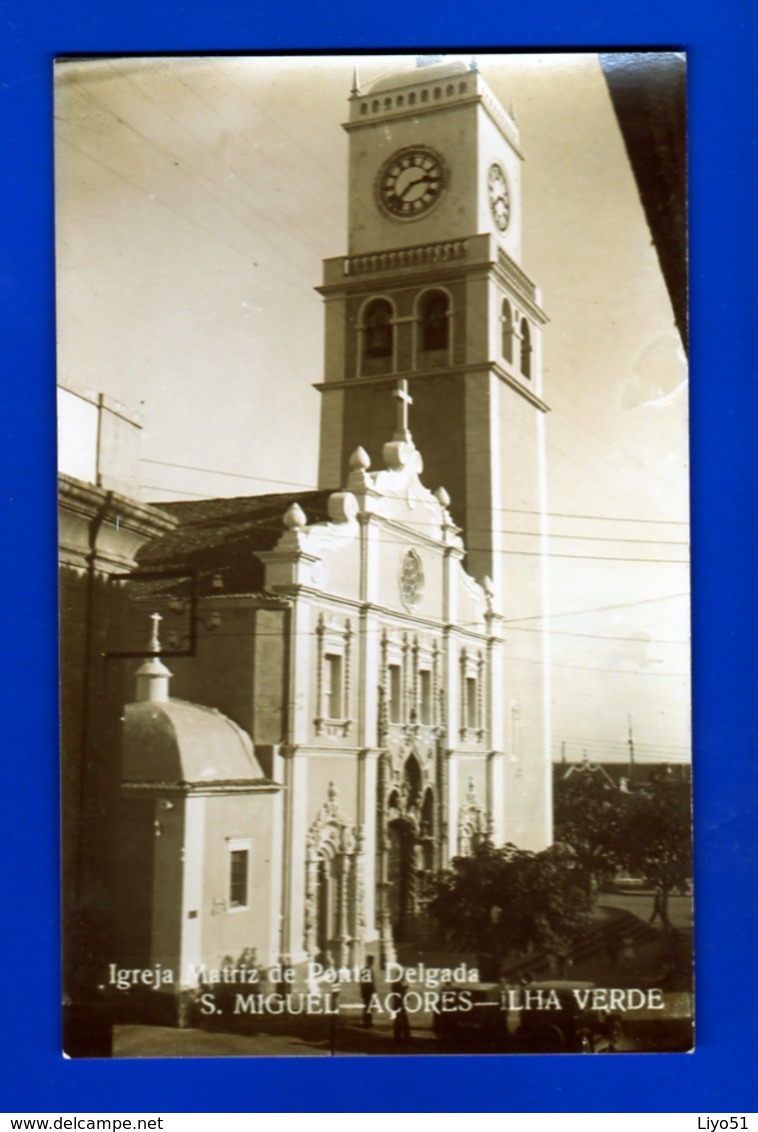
[(432, 291)]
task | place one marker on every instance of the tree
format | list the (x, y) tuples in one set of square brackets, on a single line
[(589, 815), (658, 842), (505, 900)]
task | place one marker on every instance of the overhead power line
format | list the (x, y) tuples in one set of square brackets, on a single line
[(602, 637), (597, 609), (510, 510), (601, 744), (220, 194), (505, 553), (187, 218)]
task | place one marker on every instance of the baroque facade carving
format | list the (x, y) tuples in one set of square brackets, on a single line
[(334, 847)]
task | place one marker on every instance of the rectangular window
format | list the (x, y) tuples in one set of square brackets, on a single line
[(239, 867), (425, 696), (395, 705), (471, 713), (333, 686)]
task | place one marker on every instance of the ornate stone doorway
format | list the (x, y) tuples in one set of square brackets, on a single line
[(334, 917), (406, 849)]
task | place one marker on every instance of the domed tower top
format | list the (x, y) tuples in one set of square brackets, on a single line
[(429, 68)]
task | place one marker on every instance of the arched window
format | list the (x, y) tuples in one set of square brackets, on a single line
[(506, 331), (526, 349), (378, 338), (434, 329)]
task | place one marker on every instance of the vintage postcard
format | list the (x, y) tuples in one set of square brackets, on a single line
[(374, 556)]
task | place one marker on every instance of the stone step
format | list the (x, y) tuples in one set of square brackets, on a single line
[(594, 942)]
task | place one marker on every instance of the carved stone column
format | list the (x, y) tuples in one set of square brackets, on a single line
[(343, 934), (387, 953), (311, 899), (358, 919)]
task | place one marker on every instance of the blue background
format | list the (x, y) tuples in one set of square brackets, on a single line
[(720, 1076)]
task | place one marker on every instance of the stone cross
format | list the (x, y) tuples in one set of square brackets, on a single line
[(404, 400), (155, 645)]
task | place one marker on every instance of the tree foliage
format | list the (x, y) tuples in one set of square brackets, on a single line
[(647, 831), (504, 900), (659, 842), (589, 815), (507, 900)]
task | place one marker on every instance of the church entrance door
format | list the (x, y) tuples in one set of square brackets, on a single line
[(334, 923), (327, 902), (401, 875)]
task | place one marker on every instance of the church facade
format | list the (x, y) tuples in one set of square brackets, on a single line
[(368, 723)]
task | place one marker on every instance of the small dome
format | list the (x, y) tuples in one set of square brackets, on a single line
[(181, 742), (432, 73)]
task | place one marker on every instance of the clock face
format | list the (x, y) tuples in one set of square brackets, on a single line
[(500, 200), (410, 182)]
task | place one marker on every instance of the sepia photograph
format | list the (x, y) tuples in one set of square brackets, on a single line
[(374, 554)]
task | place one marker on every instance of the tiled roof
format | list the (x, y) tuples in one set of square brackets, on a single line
[(218, 538)]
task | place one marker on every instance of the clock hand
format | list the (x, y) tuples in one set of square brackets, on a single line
[(416, 181)]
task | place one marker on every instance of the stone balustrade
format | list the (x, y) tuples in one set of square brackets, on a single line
[(405, 257)]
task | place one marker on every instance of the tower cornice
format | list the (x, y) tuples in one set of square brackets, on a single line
[(447, 371), (394, 103), (438, 262)]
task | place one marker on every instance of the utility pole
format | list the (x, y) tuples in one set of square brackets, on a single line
[(631, 753)]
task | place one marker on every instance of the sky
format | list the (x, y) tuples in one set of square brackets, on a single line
[(196, 198)]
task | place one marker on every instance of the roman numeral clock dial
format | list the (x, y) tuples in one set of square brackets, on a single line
[(410, 183)]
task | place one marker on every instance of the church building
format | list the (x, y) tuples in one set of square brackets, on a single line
[(327, 712)]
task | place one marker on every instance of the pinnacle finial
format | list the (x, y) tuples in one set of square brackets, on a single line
[(294, 517), (360, 461), (356, 87)]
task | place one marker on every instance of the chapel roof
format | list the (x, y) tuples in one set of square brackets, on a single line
[(180, 743)]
